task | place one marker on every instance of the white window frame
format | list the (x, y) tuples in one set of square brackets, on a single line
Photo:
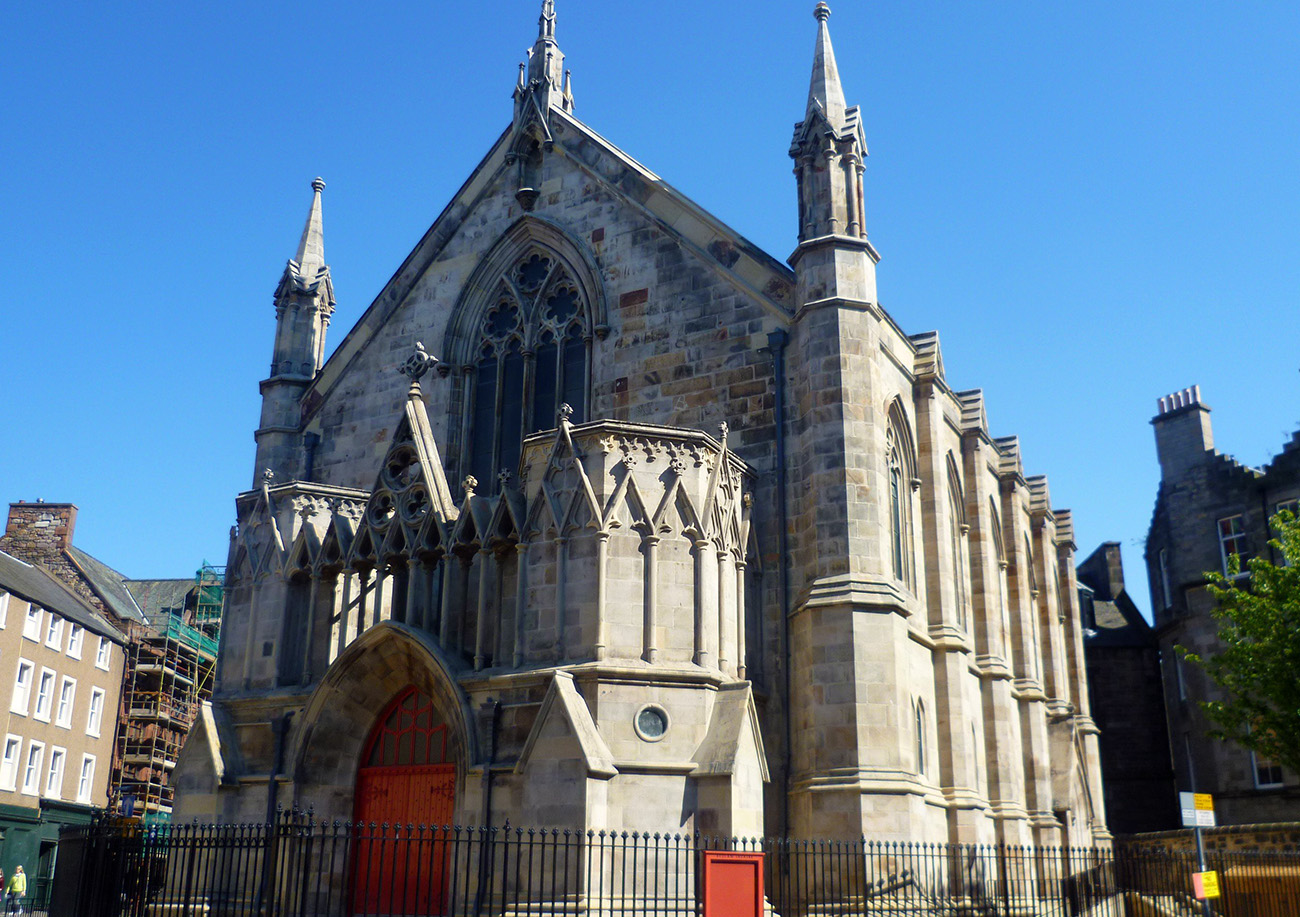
[(1238, 538), (32, 623), (23, 687), (4, 609), (101, 654), (54, 773), (76, 637), (33, 768), (9, 764), (95, 716), (54, 633), (68, 692), (86, 779), (44, 699), (1258, 764)]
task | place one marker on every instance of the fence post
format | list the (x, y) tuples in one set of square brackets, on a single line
[(189, 871)]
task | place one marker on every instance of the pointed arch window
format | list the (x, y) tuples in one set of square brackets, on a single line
[(1004, 592), (957, 527), (919, 712), (1036, 647), (410, 733), (533, 355), (899, 529)]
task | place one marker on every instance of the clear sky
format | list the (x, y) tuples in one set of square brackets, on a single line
[(1094, 203)]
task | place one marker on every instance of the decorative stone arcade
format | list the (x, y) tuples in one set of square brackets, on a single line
[(595, 606)]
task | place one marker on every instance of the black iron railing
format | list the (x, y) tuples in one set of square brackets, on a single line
[(300, 866)]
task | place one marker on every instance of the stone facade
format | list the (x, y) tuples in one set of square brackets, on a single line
[(1210, 506), (667, 521)]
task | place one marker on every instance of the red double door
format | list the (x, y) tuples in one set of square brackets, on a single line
[(405, 781), (401, 870)]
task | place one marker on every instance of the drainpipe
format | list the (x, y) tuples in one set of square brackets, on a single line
[(494, 718), (776, 342), (280, 727)]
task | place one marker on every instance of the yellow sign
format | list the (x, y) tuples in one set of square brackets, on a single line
[(1204, 801), (1205, 885)]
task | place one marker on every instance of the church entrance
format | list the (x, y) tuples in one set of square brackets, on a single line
[(405, 779)]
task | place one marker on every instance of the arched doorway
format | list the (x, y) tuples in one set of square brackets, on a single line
[(404, 779)]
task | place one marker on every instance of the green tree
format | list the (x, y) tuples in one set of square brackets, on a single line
[(1258, 665)]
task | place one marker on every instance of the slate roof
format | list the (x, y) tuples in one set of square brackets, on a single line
[(108, 584), (33, 583), (1118, 623), (157, 597)]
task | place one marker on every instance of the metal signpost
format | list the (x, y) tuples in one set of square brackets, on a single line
[(1198, 813)]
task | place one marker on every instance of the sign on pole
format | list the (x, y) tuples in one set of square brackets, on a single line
[(1205, 885), (1198, 810)]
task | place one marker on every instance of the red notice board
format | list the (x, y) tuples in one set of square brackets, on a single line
[(733, 884)]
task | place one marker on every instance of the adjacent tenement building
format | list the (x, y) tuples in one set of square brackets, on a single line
[(60, 679), (1209, 508), (170, 628), (652, 530)]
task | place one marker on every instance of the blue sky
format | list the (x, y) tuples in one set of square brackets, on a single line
[(1095, 204)]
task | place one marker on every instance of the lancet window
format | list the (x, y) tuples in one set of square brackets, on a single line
[(900, 515), (533, 355)]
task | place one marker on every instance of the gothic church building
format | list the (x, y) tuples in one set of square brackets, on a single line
[(601, 517)]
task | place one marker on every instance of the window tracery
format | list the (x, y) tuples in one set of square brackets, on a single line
[(533, 355)]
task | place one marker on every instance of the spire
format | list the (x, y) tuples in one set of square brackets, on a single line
[(545, 59), (311, 250), (825, 92), (306, 270), (304, 302), (834, 260)]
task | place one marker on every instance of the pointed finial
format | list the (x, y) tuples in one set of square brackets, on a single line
[(825, 91), (565, 413), (723, 429), (546, 22), (469, 485), (311, 248)]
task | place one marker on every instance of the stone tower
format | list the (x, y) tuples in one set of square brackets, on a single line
[(304, 302)]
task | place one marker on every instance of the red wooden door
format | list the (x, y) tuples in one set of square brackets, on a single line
[(400, 870)]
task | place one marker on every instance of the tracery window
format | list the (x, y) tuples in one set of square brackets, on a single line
[(533, 356), (411, 734)]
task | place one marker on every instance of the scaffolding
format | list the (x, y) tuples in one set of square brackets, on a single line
[(169, 672)]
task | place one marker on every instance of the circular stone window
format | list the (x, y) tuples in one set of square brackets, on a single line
[(651, 722)]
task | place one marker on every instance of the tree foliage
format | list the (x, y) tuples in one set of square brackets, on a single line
[(1258, 664)]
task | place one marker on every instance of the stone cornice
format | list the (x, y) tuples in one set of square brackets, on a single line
[(867, 594)]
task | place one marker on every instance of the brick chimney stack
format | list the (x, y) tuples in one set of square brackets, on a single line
[(39, 530)]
